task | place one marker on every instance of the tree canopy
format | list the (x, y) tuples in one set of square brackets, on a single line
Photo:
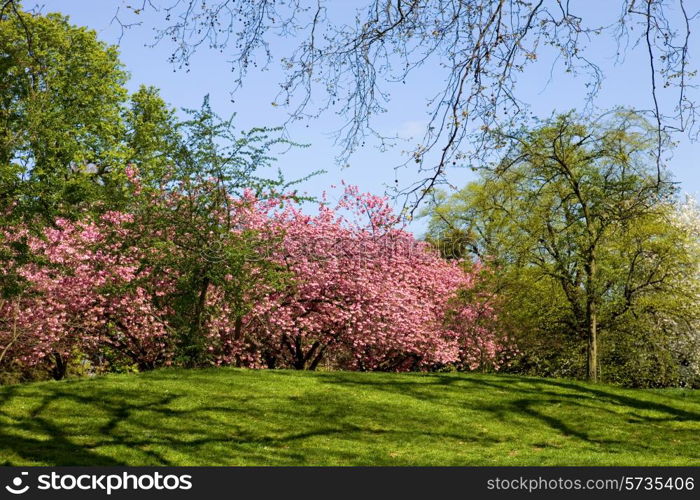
[(133, 237), (583, 242), (61, 123)]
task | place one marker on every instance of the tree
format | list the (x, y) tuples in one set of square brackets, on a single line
[(151, 135), (61, 100), (67, 129), (195, 205), (353, 56), (687, 345), (88, 291), (285, 290), (574, 221), (361, 294)]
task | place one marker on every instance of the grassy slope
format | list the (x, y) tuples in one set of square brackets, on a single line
[(237, 417)]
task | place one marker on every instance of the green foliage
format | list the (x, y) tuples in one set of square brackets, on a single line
[(68, 127), (62, 96), (586, 246), (186, 206), (69, 132), (151, 133)]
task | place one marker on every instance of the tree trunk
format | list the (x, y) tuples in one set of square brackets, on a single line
[(238, 335), (194, 347), (317, 359), (592, 322), (593, 348), (238, 328), (299, 361), (199, 308), (58, 372)]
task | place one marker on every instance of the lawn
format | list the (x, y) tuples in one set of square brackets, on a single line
[(238, 417)]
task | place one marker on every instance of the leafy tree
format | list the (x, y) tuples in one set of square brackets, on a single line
[(191, 210), (67, 124), (151, 135), (366, 295), (88, 293), (580, 234), (67, 130), (62, 96)]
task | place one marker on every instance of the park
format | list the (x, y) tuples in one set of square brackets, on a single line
[(368, 233)]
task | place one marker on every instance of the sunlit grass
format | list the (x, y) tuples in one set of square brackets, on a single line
[(238, 417)]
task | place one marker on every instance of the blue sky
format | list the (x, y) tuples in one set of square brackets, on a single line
[(369, 168)]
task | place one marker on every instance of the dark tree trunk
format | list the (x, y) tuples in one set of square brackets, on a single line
[(238, 335), (592, 323), (196, 324), (317, 359), (593, 351), (238, 328), (194, 345), (58, 372)]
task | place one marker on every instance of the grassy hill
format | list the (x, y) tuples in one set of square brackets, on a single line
[(237, 417)]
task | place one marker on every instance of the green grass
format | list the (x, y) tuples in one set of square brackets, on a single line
[(238, 417)]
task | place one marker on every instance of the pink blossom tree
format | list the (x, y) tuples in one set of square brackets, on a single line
[(85, 289), (364, 294), (268, 285)]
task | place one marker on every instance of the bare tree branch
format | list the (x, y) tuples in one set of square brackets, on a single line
[(349, 63)]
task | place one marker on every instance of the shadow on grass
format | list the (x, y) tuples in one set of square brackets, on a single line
[(285, 418), (95, 425), (534, 399), (53, 447)]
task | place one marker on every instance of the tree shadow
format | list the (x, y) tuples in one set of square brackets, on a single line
[(55, 447), (534, 397), (102, 426), (210, 420)]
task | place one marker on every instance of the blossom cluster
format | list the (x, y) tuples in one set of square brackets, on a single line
[(359, 293)]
